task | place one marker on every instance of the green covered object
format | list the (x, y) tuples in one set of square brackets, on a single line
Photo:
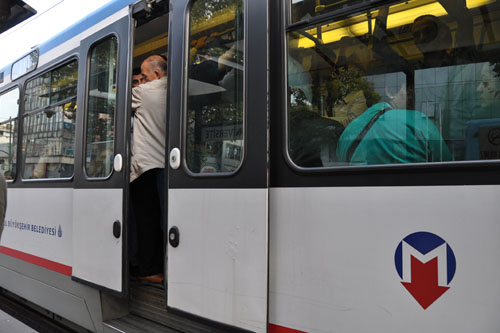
[(397, 136)]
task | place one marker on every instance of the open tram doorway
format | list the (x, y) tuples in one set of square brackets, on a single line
[(147, 247), (217, 203)]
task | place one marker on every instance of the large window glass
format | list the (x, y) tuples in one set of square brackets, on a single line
[(49, 124), (215, 86), (9, 108), (409, 82), (101, 109)]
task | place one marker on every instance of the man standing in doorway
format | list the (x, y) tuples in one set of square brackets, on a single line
[(147, 168)]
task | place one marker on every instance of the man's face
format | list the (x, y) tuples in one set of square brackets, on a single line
[(137, 80), (148, 74), (425, 34), (489, 88)]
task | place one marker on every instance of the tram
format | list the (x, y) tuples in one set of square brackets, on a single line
[(338, 172)]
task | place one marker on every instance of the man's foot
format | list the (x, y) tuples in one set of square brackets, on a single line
[(157, 278)]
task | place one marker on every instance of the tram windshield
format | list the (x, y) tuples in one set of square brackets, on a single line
[(411, 82)]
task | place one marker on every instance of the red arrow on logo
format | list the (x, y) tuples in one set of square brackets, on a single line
[(424, 282)]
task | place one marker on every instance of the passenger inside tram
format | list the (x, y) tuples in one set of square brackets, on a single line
[(137, 78), (422, 57), (214, 138), (385, 135), (146, 246), (483, 134), (147, 166)]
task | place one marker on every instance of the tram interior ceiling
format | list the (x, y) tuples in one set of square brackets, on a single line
[(148, 10), (151, 33), (13, 12)]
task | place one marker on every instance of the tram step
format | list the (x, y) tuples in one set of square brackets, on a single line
[(144, 295), (148, 302), (135, 324)]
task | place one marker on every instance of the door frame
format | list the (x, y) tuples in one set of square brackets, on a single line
[(117, 180), (254, 171)]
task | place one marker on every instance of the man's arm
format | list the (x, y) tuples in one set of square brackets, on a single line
[(136, 97)]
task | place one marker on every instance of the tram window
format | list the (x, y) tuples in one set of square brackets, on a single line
[(25, 65), (411, 82), (49, 124), (215, 86), (37, 93), (101, 109), (9, 108)]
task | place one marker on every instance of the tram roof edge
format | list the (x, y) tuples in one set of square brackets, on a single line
[(75, 29)]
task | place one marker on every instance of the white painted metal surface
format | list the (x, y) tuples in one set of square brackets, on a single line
[(38, 222), (332, 258), (74, 42), (219, 269), (97, 254)]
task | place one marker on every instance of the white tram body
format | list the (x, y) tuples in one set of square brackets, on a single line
[(268, 228)]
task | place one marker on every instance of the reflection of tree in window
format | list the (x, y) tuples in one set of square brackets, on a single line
[(49, 124), (325, 98), (101, 109), (9, 109), (343, 85)]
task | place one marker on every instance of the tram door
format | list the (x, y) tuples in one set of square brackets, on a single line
[(99, 190), (218, 175)]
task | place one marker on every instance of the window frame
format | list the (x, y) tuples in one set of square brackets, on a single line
[(184, 99), (288, 27), (59, 64), (3, 92), (37, 51), (86, 105)]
